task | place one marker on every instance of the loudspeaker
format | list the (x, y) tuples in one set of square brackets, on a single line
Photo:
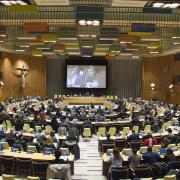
[(176, 79), (1, 76), (177, 57)]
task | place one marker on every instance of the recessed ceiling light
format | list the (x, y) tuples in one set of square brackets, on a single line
[(175, 37), (20, 50), (89, 22), (3, 35), (87, 46), (24, 46), (82, 22), (175, 5), (153, 52), (96, 23), (1, 41), (175, 43), (158, 5)]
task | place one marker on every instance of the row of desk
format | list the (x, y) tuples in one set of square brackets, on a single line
[(39, 156), (106, 157)]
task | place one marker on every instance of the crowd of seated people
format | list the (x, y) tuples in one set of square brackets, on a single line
[(42, 112)]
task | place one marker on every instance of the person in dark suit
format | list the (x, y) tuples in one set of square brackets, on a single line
[(74, 132), (151, 157), (134, 136)]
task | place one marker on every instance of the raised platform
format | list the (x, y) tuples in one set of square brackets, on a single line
[(89, 100)]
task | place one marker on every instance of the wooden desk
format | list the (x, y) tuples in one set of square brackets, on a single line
[(89, 100), (38, 156), (106, 164)]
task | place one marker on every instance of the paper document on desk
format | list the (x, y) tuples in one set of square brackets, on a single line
[(65, 158)]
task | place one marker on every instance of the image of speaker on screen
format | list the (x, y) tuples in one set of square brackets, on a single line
[(92, 79), (86, 76), (76, 77)]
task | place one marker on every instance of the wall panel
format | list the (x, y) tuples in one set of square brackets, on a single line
[(124, 78), (35, 79), (160, 70)]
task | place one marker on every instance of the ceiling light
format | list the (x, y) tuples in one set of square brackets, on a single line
[(153, 52), (27, 38), (87, 46), (152, 85), (135, 57), (24, 46), (89, 22), (176, 43), (86, 56), (1, 41), (43, 48), (93, 35), (152, 88), (20, 50), (82, 22), (124, 42), (96, 23), (166, 5), (130, 49), (175, 5), (3, 35), (158, 5), (175, 37)]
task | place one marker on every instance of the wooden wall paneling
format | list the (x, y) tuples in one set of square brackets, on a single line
[(35, 79), (160, 70)]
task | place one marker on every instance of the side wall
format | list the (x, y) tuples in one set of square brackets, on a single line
[(35, 79), (160, 70)]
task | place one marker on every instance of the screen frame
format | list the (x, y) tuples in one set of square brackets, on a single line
[(88, 62)]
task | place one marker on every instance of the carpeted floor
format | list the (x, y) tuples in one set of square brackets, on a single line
[(89, 167)]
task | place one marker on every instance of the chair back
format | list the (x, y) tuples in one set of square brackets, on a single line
[(7, 177), (39, 167), (10, 140), (5, 145), (8, 162), (136, 129), (143, 149), (112, 131), (171, 146), (125, 131), (37, 128), (120, 143), (147, 128), (23, 164), (156, 148), (101, 131), (105, 147), (26, 128), (164, 126), (143, 171), (135, 144), (55, 96), (33, 178), (119, 173), (170, 177), (87, 132), (9, 125), (62, 131), (48, 129)]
